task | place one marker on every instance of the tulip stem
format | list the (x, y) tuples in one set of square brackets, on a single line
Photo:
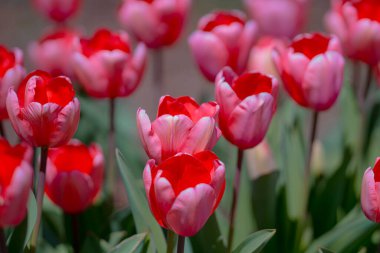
[(235, 196), (158, 71), (313, 133), (75, 232), (170, 241), (367, 84), (111, 149), (3, 245), (181, 244), (355, 77), (40, 197), (2, 130)]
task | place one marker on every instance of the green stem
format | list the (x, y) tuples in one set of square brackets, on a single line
[(181, 244), (3, 245), (2, 130), (40, 198), (367, 83), (171, 238), (75, 232), (313, 133), (111, 150)]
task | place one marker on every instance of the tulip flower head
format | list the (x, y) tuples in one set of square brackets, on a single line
[(157, 23), (53, 52), (44, 112), (16, 176), (370, 192), (106, 67), (312, 70), (184, 190), (223, 38), (11, 74), (357, 25), (74, 175), (57, 10), (247, 105)]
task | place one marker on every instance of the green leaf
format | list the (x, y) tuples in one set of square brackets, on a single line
[(321, 250), (21, 234), (144, 220), (133, 244), (92, 244), (255, 242)]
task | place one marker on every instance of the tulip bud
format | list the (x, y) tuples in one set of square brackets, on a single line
[(106, 67), (312, 70), (16, 177), (74, 175), (247, 105), (181, 126), (370, 192), (223, 38), (156, 23), (260, 161), (44, 112), (57, 10), (184, 190)]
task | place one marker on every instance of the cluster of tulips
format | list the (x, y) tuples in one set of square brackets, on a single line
[(247, 60)]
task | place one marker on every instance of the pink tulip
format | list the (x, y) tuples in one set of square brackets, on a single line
[(370, 192), (247, 104), (74, 175), (106, 67), (57, 10), (357, 25), (312, 70), (157, 23), (44, 112), (16, 176), (260, 57), (223, 38), (279, 18), (11, 74), (181, 126), (184, 190), (53, 52)]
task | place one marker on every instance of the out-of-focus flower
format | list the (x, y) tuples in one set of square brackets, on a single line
[(53, 52), (44, 112), (106, 67), (357, 25), (11, 74), (16, 177), (223, 38), (260, 57), (312, 70), (57, 10), (184, 190), (181, 126), (279, 18), (260, 161), (247, 105), (370, 192), (74, 175), (157, 23)]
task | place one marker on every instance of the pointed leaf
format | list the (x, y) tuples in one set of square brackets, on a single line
[(133, 244), (321, 250), (255, 242)]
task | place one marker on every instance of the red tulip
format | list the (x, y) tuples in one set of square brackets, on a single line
[(157, 23), (181, 126), (44, 112), (57, 10), (106, 67), (247, 104), (312, 70), (357, 25), (53, 52), (370, 192), (223, 39), (279, 18), (16, 177), (184, 190), (74, 175), (11, 74)]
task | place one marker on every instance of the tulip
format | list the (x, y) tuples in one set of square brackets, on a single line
[(44, 112), (11, 74), (370, 192), (53, 52), (184, 190), (157, 23), (357, 25), (74, 175), (247, 105), (57, 10), (223, 38), (279, 18), (181, 126), (312, 70), (106, 67), (16, 177)]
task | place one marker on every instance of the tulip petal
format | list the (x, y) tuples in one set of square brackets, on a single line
[(370, 196), (150, 140), (165, 195)]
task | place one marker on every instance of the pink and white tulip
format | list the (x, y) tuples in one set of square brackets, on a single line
[(370, 198)]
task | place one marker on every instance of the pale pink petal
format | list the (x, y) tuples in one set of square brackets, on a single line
[(165, 195), (370, 196), (246, 41)]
